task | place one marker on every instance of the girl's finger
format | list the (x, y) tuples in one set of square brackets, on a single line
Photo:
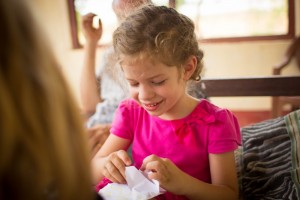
[(109, 176), (121, 162), (147, 160), (123, 155), (114, 170)]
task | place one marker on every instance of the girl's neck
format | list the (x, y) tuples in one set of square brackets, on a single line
[(184, 107)]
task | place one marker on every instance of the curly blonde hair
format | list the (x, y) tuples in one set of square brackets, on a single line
[(159, 32)]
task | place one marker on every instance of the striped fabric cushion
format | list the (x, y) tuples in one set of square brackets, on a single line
[(269, 162)]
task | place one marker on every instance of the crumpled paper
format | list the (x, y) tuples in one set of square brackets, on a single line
[(138, 187)]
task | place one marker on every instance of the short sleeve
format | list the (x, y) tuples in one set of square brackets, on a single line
[(224, 133), (122, 125)]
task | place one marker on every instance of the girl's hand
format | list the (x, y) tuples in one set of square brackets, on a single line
[(114, 166), (91, 34), (165, 172)]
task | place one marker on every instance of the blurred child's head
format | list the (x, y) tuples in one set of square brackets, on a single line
[(159, 33), (42, 142)]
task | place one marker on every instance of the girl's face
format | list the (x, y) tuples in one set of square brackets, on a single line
[(158, 88)]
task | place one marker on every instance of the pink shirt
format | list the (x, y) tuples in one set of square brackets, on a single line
[(187, 141)]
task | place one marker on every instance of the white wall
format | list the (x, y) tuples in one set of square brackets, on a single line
[(221, 59), (244, 59)]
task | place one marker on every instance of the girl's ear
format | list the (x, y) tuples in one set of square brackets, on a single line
[(189, 67)]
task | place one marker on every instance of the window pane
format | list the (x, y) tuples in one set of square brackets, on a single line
[(237, 18), (215, 20)]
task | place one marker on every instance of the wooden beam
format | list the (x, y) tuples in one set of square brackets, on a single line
[(251, 86)]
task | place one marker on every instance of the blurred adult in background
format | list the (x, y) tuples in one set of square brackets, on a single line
[(102, 89), (43, 147)]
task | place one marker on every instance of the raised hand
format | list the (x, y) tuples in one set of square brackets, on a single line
[(91, 34)]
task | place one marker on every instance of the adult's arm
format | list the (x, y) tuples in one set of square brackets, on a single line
[(89, 85)]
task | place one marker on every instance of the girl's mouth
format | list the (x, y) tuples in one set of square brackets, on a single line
[(152, 107)]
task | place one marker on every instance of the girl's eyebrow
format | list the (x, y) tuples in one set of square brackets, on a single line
[(156, 76), (152, 77)]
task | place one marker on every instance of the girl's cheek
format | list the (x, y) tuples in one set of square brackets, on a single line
[(133, 93)]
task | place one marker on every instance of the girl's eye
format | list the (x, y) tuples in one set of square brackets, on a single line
[(159, 83)]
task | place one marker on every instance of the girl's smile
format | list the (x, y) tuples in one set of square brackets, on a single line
[(152, 107)]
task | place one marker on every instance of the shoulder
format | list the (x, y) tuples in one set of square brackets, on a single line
[(210, 107), (224, 131), (129, 108), (217, 111), (214, 112), (129, 104), (126, 117)]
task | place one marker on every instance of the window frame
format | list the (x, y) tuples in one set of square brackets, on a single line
[(172, 3)]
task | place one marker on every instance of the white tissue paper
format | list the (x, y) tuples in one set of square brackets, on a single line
[(138, 187)]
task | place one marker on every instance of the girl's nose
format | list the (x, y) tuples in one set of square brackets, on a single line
[(146, 92)]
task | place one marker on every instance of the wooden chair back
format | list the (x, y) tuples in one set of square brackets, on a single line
[(278, 102)]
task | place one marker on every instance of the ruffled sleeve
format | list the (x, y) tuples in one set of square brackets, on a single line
[(224, 133), (122, 124)]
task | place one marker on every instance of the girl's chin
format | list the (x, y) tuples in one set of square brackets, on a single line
[(154, 113)]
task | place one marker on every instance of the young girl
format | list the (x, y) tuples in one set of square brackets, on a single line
[(187, 144)]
